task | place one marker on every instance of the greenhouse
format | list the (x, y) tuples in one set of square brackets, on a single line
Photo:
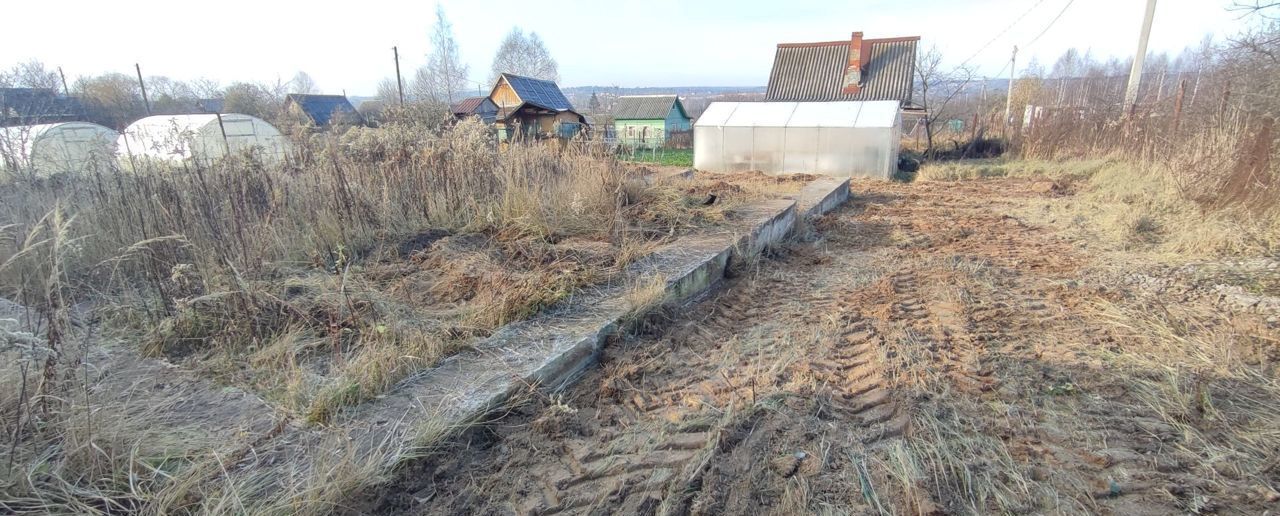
[(835, 138), (200, 138), (62, 148)]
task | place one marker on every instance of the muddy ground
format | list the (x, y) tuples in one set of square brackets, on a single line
[(928, 349)]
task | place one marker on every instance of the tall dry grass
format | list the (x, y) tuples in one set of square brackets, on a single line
[(272, 270), (1208, 190)]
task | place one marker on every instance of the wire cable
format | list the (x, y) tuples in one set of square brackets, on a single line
[(1001, 33), (1051, 22)]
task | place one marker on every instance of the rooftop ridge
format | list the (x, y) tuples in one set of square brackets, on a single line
[(845, 42)]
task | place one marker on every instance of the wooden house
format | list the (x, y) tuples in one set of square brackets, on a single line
[(646, 120), (475, 106), (533, 108), (322, 110)]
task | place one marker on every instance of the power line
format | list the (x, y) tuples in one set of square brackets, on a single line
[(1051, 22), (1037, 38), (1001, 33)]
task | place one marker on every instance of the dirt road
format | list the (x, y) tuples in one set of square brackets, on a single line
[(929, 349)]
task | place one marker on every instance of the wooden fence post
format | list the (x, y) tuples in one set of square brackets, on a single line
[(1177, 104)]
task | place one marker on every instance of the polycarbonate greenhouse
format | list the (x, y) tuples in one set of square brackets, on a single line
[(200, 138), (61, 148), (834, 138)]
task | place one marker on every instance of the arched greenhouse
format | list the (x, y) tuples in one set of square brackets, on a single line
[(199, 138), (838, 138), (62, 148)]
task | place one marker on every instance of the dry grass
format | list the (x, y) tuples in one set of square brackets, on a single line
[(292, 281), (1200, 375), (1156, 208), (371, 255)]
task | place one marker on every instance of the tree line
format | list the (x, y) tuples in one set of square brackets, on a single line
[(115, 99)]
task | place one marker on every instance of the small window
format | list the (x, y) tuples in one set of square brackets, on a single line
[(569, 129), (77, 135), (238, 127)]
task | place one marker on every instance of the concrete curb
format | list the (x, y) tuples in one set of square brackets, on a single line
[(549, 351), (823, 195)]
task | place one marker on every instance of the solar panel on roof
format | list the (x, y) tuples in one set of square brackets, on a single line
[(542, 93)]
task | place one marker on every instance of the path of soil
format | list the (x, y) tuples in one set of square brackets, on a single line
[(928, 353)]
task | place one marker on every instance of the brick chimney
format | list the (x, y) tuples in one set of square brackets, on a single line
[(853, 71)]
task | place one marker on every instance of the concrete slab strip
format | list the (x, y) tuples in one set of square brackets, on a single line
[(552, 349)]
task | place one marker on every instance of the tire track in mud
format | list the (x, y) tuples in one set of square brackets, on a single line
[(637, 435), (692, 403), (670, 422)]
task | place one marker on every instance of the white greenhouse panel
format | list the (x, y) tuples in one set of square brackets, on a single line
[(200, 138), (879, 113), (61, 148), (835, 138), (761, 114), (825, 114), (717, 114)]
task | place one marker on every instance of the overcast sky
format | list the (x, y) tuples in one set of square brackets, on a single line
[(597, 42)]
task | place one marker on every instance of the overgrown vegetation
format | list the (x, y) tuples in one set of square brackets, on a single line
[(1192, 169), (315, 285)]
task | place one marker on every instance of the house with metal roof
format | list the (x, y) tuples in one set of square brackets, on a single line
[(646, 120), (26, 106), (854, 69), (322, 110), (481, 107), (533, 108)]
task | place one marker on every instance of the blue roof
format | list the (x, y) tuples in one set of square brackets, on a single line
[(544, 94), (321, 108)]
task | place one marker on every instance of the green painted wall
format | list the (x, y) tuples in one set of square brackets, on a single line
[(630, 131), (676, 120), (633, 132)]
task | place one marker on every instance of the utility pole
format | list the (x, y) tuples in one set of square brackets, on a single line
[(1008, 100), (399, 83), (65, 90), (143, 85), (1135, 73)]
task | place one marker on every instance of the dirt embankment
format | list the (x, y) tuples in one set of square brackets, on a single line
[(931, 353)]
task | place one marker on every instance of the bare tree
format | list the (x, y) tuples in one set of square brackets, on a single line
[(1264, 8), (206, 88), (170, 96), (112, 99), (302, 83), (31, 74), (388, 92), (938, 87), (260, 100), (525, 55), (447, 72)]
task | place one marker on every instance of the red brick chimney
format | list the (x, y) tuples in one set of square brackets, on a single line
[(853, 72)]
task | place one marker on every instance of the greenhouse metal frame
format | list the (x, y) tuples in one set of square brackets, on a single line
[(59, 148), (839, 138), (203, 138)]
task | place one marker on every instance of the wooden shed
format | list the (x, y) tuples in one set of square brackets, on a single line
[(475, 106), (322, 110), (533, 108)]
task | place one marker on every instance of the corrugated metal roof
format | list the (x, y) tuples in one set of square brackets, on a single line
[(645, 107), (544, 94), (815, 71), (321, 108), (466, 106), (24, 106)]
